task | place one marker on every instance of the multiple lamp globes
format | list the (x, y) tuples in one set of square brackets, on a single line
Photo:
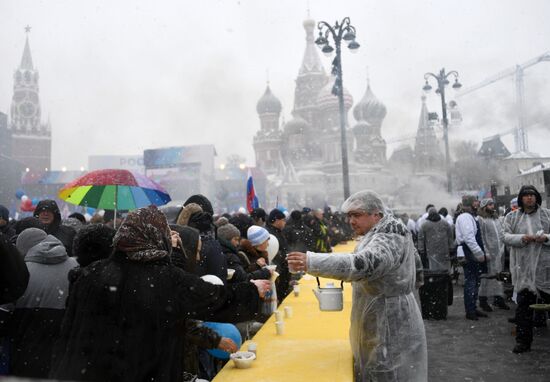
[(348, 37), (442, 81)]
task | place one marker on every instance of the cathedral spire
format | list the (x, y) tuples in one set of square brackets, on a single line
[(311, 63), (423, 122), (26, 60)]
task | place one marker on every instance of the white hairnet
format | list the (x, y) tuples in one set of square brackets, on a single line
[(365, 200)]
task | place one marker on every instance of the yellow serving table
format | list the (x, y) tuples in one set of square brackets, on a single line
[(314, 347)]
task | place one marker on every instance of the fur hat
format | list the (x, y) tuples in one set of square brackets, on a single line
[(228, 231), (202, 201), (257, 235), (186, 212), (93, 242), (28, 239)]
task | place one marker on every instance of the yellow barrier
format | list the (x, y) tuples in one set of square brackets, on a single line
[(314, 347)]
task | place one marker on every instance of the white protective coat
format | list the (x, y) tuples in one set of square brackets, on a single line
[(529, 263), (386, 332), (492, 235)]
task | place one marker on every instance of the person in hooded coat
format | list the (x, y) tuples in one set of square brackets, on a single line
[(387, 334), (37, 317), (435, 241), (123, 319), (527, 233), (48, 213)]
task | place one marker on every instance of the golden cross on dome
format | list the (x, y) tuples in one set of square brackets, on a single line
[(27, 29)]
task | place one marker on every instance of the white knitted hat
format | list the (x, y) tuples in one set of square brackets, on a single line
[(257, 235)]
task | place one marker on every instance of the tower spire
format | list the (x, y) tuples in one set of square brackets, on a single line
[(26, 60)]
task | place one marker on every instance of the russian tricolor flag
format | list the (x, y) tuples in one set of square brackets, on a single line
[(251, 198)]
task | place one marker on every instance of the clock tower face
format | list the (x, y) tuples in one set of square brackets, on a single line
[(27, 109)]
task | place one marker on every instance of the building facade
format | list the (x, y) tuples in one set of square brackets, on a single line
[(302, 157)]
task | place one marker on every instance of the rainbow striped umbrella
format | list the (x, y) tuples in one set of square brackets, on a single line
[(114, 190)]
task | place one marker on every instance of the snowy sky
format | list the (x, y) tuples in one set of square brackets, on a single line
[(121, 76)]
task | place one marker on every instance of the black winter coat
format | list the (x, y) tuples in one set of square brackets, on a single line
[(14, 275), (240, 263), (212, 260), (123, 319)]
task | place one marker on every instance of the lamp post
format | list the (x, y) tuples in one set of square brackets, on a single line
[(339, 31), (442, 81)]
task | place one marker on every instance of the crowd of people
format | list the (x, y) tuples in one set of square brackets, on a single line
[(85, 301), (499, 251)]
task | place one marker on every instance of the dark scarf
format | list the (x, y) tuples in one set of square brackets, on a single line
[(144, 235)]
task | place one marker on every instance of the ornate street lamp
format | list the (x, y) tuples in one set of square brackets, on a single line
[(442, 81), (339, 32)]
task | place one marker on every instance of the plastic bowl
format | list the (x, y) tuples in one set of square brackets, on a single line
[(243, 359), (230, 273)]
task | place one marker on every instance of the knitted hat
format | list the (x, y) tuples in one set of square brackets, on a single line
[(485, 202), (257, 235), (275, 214), (221, 221), (228, 231), (28, 239)]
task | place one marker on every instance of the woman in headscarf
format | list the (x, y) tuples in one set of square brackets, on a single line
[(124, 313)]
